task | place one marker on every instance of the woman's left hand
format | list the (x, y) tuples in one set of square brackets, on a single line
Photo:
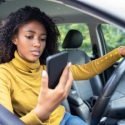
[(122, 51)]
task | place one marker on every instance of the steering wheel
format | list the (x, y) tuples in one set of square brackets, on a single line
[(106, 94)]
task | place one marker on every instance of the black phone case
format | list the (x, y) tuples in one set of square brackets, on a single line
[(55, 65)]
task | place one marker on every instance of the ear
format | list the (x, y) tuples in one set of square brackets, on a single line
[(14, 39)]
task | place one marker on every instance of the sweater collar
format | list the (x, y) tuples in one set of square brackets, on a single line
[(24, 65)]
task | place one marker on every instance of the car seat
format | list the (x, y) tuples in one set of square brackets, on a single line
[(86, 90)]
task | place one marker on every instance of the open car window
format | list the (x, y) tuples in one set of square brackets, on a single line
[(114, 37)]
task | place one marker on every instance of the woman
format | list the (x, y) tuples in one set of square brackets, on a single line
[(27, 37)]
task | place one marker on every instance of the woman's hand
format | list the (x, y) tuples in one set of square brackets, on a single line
[(50, 99), (122, 51)]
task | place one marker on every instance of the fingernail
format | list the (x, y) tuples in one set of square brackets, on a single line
[(44, 73), (69, 64)]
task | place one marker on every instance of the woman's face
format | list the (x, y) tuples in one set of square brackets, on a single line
[(30, 41)]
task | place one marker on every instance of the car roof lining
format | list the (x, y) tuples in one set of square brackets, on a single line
[(59, 12)]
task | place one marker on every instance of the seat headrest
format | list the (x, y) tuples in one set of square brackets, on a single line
[(73, 39)]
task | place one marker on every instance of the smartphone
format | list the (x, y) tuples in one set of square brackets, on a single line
[(55, 66)]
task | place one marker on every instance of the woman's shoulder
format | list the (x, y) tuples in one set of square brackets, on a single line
[(5, 67)]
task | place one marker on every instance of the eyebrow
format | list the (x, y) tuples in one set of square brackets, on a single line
[(31, 31)]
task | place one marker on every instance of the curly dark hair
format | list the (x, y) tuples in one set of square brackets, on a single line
[(11, 25)]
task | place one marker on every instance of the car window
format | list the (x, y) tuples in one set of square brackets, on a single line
[(113, 36), (83, 28)]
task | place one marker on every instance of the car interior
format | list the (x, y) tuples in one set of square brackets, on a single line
[(87, 90), (100, 100)]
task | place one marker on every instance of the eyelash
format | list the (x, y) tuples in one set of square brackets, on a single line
[(31, 37)]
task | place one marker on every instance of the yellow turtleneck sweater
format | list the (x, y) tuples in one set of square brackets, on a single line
[(20, 84)]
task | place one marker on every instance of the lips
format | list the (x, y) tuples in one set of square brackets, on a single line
[(35, 52)]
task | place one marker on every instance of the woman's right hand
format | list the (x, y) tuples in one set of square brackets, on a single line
[(50, 99)]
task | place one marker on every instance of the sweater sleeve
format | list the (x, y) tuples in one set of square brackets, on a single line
[(5, 92), (5, 99), (87, 71), (32, 119)]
